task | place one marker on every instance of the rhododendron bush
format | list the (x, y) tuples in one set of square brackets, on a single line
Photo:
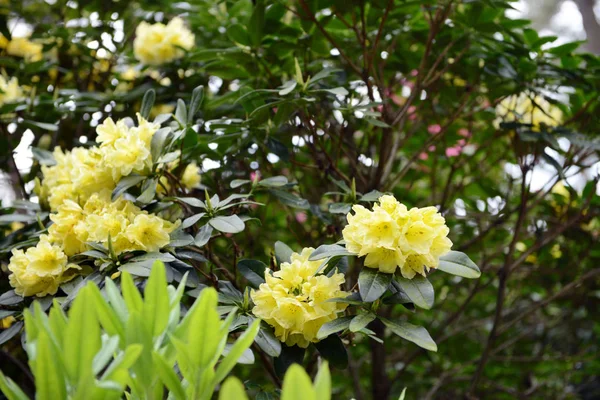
[(399, 196)]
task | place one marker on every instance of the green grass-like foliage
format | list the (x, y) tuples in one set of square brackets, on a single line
[(140, 345)]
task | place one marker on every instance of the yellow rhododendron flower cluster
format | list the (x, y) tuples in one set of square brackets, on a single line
[(526, 110), (22, 47), (128, 227), (82, 172), (391, 237), (78, 191), (40, 270), (294, 302), (10, 91), (157, 44)]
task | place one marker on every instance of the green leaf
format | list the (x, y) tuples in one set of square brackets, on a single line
[(157, 145), (419, 289), (253, 271), (371, 196), (238, 34), (229, 224), (42, 125), (412, 333), (237, 350), (457, 263), (44, 157), (11, 332), (191, 220), (564, 49), (297, 385), (266, 340), (108, 317), (10, 389), (332, 349), (361, 321), (49, 382), (290, 199), (168, 376), (239, 182), (334, 326), (195, 103), (203, 235), (257, 23), (288, 87), (403, 394), (274, 181), (329, 250), (131, 294), (283, 252), (147, 103), (181, 112), (110, 344), (155, 310), (126, 183), (323, 382), (372, 284), (340, 208), (148, 191), (232, 389), (81, 341), (338, 91), (377, 122)]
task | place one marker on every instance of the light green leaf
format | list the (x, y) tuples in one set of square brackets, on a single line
[(232, 389), (168, 376), (323, 382), (297, 385), (236, 351), (155, 310), (10, 389)]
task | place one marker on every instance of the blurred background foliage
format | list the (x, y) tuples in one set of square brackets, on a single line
[(447, 103)]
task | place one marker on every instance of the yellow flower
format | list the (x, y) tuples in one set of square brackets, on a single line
[(10, 91), (22, 47), (555, 251), (68, 229), (148, 232), (523, 108), (125, 150), (76, 176), (294, 302), (157, 44), (392, 237), (7, 322), (40, 270), (191, 176)]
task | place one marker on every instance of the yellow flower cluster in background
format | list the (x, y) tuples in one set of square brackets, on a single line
[(40, 270), (128, 227), (391, 237), (294, 302), (22, 47), (10, 91), (535, 111), (157, 44)]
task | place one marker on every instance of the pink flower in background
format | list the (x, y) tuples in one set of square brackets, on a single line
[(396, 99), (464, 132), (453, 151), (412, 113), (423, 156), (461, 142), (301, 217), (431, 148), (434, 129), (254, 176), (414, 72)]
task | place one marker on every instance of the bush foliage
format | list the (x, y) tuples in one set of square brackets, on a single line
[(318, 164)]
